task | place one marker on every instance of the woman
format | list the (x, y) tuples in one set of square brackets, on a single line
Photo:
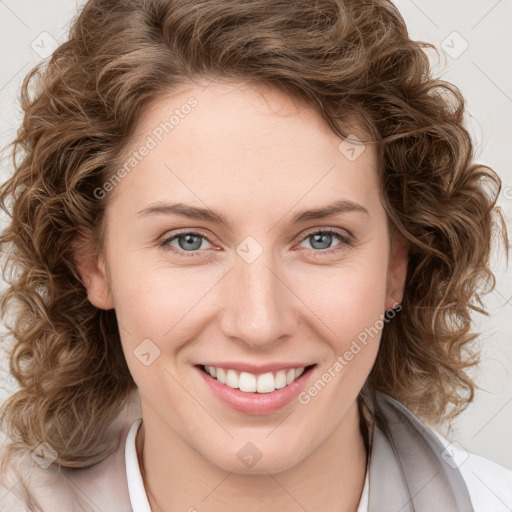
[(261, 222)]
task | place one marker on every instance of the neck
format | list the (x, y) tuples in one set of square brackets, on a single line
[(330, 479)]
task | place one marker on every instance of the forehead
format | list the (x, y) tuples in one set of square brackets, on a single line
[(238, 112), (227, 138)]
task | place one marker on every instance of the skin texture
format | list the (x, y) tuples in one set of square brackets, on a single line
[(259, 158)]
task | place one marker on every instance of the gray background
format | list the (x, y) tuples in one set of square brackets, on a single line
[(475, 43)]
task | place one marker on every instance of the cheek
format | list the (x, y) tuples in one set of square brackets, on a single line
[(152, 296), (348, 298), (161, 310)]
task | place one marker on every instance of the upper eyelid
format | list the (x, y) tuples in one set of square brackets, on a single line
[(338, 231), (193, 231)]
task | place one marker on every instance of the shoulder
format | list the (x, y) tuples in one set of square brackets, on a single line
[(489, 483), (100, 487)]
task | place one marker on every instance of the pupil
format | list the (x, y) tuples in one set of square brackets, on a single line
[(189, 239), (318, 238)]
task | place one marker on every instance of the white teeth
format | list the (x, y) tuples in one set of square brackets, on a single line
[(280, 379), (266, 383), (232, 379), (247, 382), (250, 383), (221, 375)]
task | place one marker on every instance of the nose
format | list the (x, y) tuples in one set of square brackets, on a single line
[(258, 303)]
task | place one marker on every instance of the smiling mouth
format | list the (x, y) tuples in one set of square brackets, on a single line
[(251, 383)]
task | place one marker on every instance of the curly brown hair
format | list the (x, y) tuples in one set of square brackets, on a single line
[(344, 59)]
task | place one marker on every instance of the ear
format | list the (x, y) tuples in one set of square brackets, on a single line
[(92, 270), (397, 270)]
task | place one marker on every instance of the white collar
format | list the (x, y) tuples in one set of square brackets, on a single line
[(138, 496)]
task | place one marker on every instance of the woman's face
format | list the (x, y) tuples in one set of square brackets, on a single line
[(239, 280)]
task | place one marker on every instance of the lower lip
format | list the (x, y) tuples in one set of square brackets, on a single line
[(256, 403)]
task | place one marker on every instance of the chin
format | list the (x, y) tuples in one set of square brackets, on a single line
[(251, 460)]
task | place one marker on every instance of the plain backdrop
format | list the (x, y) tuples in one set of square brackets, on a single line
[(474, 41)]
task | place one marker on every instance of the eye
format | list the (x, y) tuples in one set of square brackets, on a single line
[(321, 240), (186, 242), (191, 242)]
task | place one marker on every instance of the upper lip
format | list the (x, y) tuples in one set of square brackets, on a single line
[(256, 369)]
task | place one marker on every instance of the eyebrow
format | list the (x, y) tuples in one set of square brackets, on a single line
[(216, 217)]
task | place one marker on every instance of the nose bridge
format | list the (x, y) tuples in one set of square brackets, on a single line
[(258, 306)]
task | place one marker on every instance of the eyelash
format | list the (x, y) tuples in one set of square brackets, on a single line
[(345, 240)]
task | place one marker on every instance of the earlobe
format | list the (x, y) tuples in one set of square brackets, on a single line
[(397, 271), (91, 268)]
